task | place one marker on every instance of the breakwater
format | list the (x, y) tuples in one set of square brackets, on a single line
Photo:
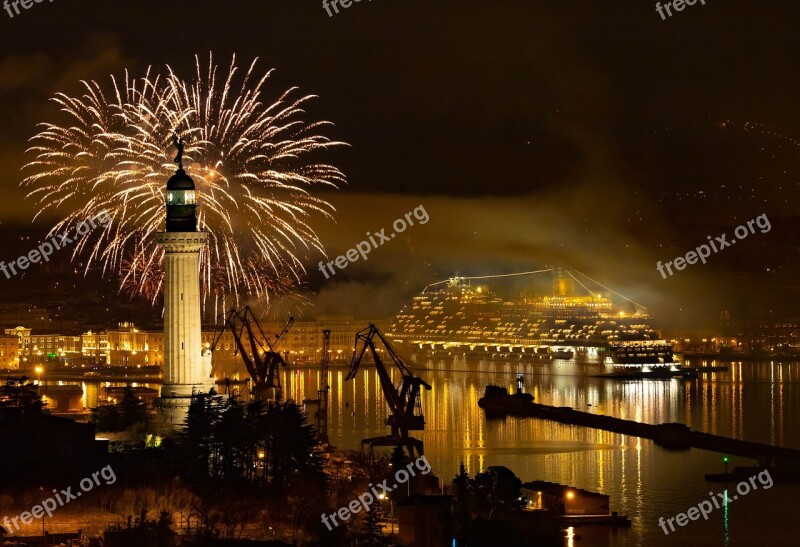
[(497, 403)]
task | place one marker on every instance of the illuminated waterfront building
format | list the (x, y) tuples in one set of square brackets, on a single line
[(768, 336), (301, 345), (128, 346), (23, 335), (304, 340), (52, 346), (125, 345), (39, 347), (9, 351), (94, 346), (563, 500)]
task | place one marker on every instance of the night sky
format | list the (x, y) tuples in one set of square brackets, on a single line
[(594, 135)]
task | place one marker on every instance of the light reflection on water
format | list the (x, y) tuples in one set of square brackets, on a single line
[(753, 401)]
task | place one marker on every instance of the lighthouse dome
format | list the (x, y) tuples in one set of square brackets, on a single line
[(180, 181)]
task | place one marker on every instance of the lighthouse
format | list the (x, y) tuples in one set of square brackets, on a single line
[(186, 371)]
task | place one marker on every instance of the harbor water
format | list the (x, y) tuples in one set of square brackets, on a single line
[(757, 402)]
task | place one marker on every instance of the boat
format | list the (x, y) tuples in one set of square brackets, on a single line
[(645, 372), (474, 317), (635, 353)]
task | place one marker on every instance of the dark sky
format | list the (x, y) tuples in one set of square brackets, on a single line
[(536, 132)]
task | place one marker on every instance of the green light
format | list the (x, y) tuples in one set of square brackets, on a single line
[(725, 459)]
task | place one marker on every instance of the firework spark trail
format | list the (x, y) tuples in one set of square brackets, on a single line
[(766, 129), (249, 160)]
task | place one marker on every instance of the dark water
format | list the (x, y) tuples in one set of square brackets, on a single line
[(752, 401)]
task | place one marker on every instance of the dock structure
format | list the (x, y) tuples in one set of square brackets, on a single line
[(497, 403)]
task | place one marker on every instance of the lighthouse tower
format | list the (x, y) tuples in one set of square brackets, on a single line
[(186, 372)]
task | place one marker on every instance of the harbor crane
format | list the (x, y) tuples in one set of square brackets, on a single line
[(322, 411), (260, 357), (404, 399), (322, 393)]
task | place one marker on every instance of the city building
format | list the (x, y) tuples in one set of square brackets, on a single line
[(771, 336), (563, 500), (128, 346), (36, 347), (94, 346), (23, 334), (303, 342), (9, 351), (49, 347), (301, 345)]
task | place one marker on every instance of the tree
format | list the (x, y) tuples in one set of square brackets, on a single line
[(236, 455), (269, 444), (290, 445), (129, 413), (371, 531), (461, 481), (195, 442), (461, 484), (497, 487), (131, 410), (21, 396), (398, 457), (231, 439), (488, 510), (106, 418)]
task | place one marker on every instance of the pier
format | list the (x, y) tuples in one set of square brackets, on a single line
[(497, 403)]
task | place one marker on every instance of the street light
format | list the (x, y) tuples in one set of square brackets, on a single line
[(39, 370), (41, 489), (391, 510)]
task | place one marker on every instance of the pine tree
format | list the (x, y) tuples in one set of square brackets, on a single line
[(223, 439), (371, 531), (290, 444), (20, 395), (398, 457), (197, 444), (461, 483), (131, 410), (129, 413)]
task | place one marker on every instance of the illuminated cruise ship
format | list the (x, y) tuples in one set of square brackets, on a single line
[(464, 315)]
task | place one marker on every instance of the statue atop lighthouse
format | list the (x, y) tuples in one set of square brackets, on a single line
[(184, 373)]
